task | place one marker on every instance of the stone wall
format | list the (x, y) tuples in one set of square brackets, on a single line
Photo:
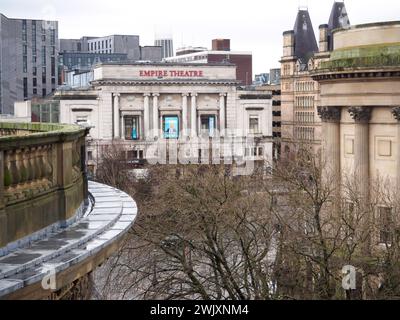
[(42, 177)]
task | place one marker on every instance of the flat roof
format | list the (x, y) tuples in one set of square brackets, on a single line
[(166, 64)]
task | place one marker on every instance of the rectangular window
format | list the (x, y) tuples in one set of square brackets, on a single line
[(55, 112), (90, 155), (34, 71), (25, 64), (207, 125), (53, 66), (44, 55), (43, 37), (25, 49), (385, 218), (35, 82), (53, 80), (44, 111), (132, 127), (52, 37), (34, 59), (25, 88), (44, 93), (34, 91), (171, 127), (254, 125), (53, 51)]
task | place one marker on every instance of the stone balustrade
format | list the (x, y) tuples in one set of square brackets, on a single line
[(42, 177)]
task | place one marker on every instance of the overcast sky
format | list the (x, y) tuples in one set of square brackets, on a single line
[(252, 25)]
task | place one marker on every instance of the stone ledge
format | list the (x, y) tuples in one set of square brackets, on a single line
[(93, 233)]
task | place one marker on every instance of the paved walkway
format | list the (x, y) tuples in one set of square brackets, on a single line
[(112, 215)]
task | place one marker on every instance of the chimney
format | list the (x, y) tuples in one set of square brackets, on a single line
[(323, 38), (288, 43), (221, 45)]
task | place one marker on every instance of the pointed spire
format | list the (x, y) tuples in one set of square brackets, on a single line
[(337, 19), (305, 41)]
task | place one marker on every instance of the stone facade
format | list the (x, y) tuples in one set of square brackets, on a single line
[(300, 93), (360, 99), (131, 104)]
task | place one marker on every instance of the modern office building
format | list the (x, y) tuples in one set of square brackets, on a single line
[(79, 56), (28, 60), (167, 45), (300, 93), (122, 44), (275, 76), (220, 53), (261, 79)]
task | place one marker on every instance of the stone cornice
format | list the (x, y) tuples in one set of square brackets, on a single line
[(352, 73), (329, 114), (163, 82), (360, 114)]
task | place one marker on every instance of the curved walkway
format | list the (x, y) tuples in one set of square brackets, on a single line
[(108, 219)]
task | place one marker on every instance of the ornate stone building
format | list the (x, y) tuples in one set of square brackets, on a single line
[(140, 105), (360, 104), (299, 92)]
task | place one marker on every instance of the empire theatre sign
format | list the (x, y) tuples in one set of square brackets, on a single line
[(171, 73)]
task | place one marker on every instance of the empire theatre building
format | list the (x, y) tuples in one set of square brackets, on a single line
[(147, 110)]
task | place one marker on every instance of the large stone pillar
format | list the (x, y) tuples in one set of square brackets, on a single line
[(396, 114), (146, 116), (116, 116), (155, 115), (193, 116), (361, 116), (184, 114), (221, 113), (330, 117)]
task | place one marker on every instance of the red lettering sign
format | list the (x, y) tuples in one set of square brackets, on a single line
[(171, 73)]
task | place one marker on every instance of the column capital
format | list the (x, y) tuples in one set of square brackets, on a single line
[(156, 94), (194, 94), (222, 94), (185, 94), (360, 114), (329, 114), (115, 95), (396, 113), (146, 94)]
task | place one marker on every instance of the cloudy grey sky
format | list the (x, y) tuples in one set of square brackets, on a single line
[(252, 25)]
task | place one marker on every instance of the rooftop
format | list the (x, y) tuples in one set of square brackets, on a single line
[(109, 216)]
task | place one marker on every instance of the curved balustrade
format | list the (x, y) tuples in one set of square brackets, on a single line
[(42, 176)]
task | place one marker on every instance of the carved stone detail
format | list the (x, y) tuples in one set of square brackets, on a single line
[(360, 114), (396, 113), (332, 114)]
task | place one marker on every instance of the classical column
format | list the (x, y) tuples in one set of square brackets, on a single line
[(146, 116), (361, 116), (330, 117), (116, 115), (155, 115), (122, 127), (184, 114), (396, 114), (221, 113), (193, 116)]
